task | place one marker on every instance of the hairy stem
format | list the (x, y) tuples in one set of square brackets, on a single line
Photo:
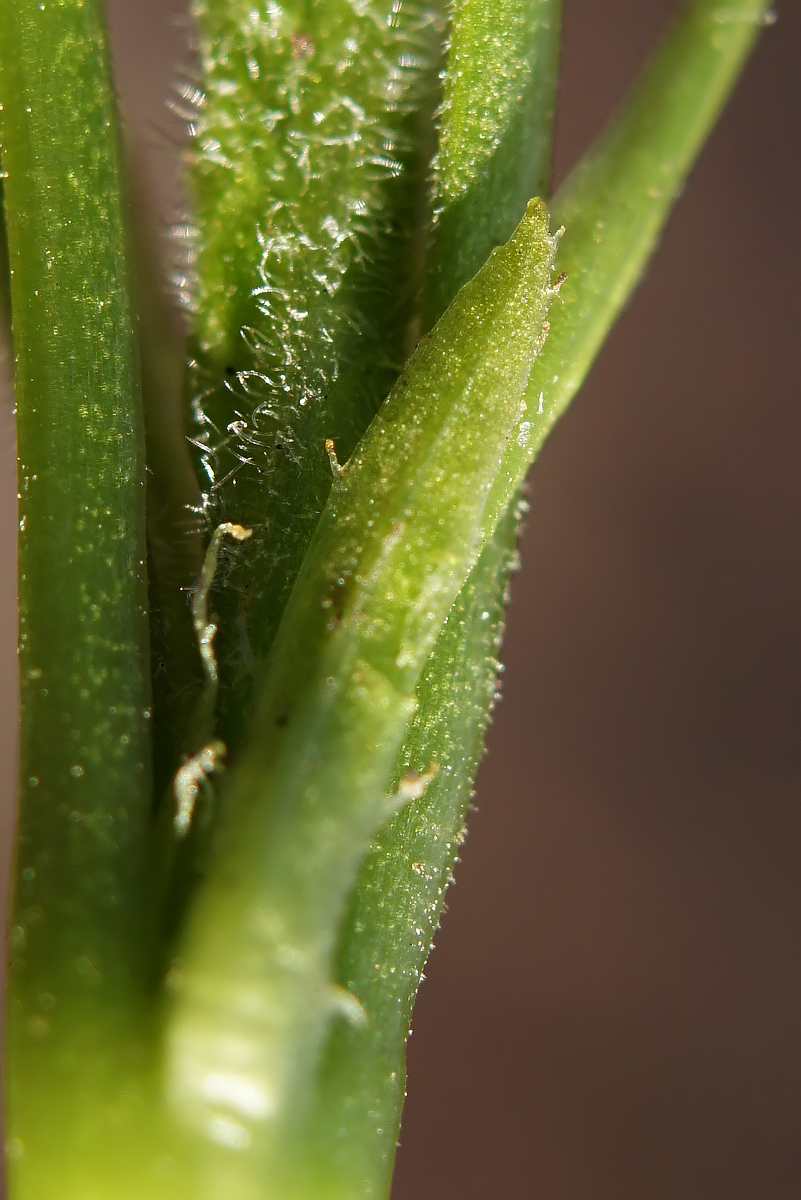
[(312, 142)]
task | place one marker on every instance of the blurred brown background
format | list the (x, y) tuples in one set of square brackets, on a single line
[(613, 1010)]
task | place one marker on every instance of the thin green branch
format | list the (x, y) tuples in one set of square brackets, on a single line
[(616, 202)]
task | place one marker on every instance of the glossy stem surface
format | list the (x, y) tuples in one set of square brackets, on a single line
[(79, 937)]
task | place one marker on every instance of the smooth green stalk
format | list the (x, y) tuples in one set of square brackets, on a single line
[(393, 549), (79, 939), (310, 154), (617, 201)]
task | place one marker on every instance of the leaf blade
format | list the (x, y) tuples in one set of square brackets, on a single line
[(81, 924)]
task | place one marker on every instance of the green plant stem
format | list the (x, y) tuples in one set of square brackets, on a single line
[(616, 202), (308, 177), (255, 999), (79, 940), (395, 912)]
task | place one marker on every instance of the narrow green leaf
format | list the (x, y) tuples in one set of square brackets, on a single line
[(311, 146), (395, 545), (401, 887), (80, 926), (616, 202)]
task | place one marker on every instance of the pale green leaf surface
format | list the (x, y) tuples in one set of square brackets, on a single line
[(389, 929)]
